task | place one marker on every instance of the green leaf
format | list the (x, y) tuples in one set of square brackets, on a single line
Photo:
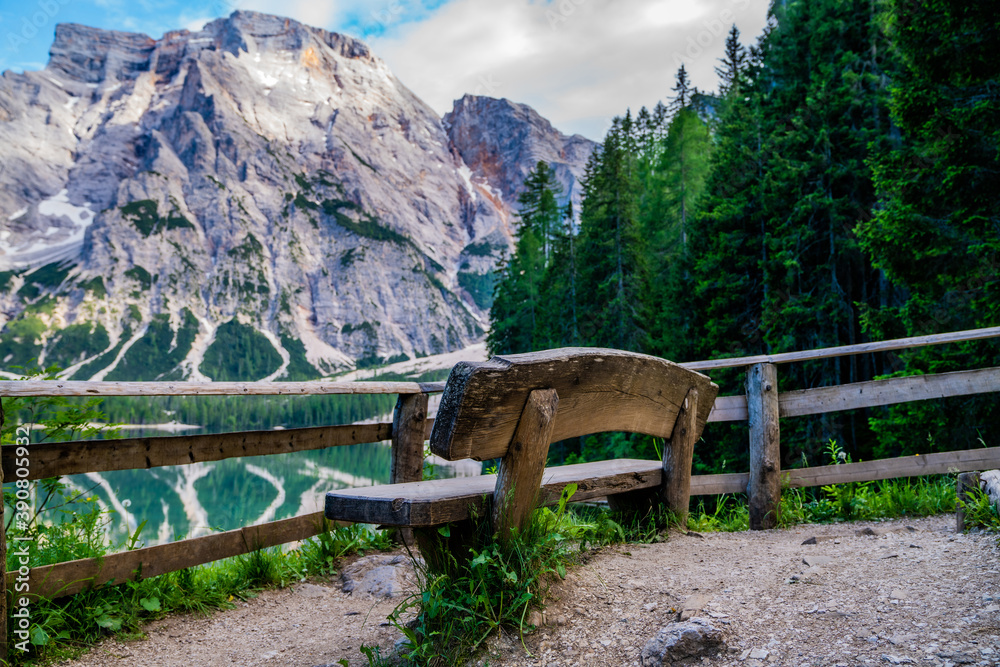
[(38, 636), (445, 530), (561, 570), (150, 604), (109, 622)]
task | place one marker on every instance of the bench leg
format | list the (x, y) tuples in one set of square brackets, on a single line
[(677, 455), (442, 555), (519, 475), (407, 464)]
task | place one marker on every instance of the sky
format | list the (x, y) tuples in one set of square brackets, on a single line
[(579, 63)]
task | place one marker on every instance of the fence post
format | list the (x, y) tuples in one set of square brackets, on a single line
[(764, 490), (677, 454), (408, 422)]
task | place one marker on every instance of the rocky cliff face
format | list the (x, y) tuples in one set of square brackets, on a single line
[(258, 199), (501, 141)]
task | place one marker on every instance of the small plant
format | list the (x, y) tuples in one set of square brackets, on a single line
[(319, 555), (730, 514), (980, 512), (259, 568), (494, 587)]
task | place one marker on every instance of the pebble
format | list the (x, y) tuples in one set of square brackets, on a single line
[(817, 561)]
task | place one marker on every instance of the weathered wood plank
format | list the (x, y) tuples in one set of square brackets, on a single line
[(519, 474), (844, 350), (764, 489), (905, 466), (713, 485), (70, 458), (677, 456), (889, 391), (408, 435), (407, 463), (53, 581), (599, 390), (729, 409), (867, 471), (15, 388), (442, 501)]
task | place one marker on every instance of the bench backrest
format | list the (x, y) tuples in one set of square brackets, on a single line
[(599, 390)]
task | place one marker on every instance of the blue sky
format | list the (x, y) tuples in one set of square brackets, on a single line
[(578, 62)]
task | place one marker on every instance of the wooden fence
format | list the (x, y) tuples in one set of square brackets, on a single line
[(763, 407)]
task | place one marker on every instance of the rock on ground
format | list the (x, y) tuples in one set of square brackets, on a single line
[(681, 643), (379, 576)]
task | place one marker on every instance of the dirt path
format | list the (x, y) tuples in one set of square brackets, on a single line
[(914, 593)]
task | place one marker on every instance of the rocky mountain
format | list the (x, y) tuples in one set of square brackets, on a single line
[(260, 199)]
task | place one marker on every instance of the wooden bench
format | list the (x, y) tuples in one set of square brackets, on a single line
[(512, 407)]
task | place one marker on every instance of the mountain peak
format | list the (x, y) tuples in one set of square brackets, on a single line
[(502, 141), (259, 185)]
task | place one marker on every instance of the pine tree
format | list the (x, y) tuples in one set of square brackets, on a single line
[(937, 233), (683, 165), (734, 63), (520, 304), (611, 258), (559, 326), (682, 88), (776, 265)]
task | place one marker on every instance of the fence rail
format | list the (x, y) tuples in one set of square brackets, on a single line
[(17, 388), (846, 350), (867, 471), (411, 427), (870, 394), (61, 579)]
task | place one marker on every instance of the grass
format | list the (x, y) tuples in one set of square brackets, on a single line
[(66, 627), (466, 597), (857, 501), (980, 512)]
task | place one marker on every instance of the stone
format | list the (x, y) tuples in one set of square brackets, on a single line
[(865, 532), (691, 639), (535, 618), (811, 540), (693, 604), (759, 654), (810, 576), (898, 594), (896, 660), (379, 576), (817, 561)]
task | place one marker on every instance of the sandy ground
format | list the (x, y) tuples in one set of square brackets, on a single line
[(913, 593)]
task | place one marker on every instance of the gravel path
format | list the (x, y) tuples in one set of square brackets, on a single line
[(913, 592)]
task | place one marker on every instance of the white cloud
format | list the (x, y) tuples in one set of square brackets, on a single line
[(195, 25), (578, 62), (319, 13)]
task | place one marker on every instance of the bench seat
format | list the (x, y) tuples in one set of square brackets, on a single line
[(436, 502)]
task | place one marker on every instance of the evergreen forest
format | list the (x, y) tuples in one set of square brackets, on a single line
[(842, 185)]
